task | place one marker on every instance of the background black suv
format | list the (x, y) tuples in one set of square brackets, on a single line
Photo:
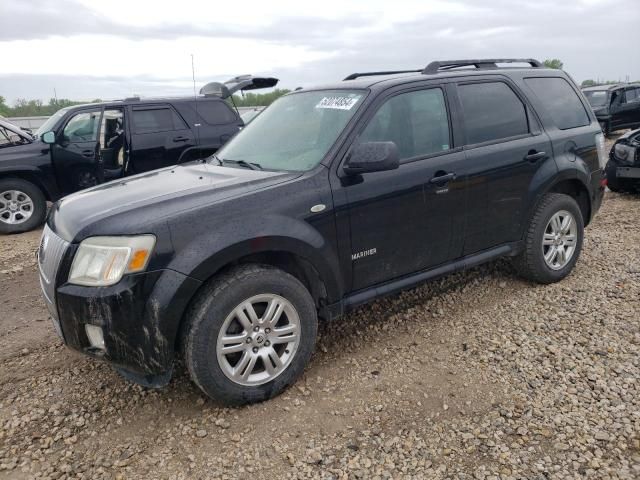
[(331, 197), (616, 106), (85, 145), (623, 168)]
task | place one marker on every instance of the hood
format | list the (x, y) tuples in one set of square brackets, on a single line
[(134, 204)]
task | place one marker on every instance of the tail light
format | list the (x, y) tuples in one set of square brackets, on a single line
[(602, 153)]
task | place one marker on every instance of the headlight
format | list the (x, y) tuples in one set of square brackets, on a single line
[(624, 153), (600, 147), (102, 261)]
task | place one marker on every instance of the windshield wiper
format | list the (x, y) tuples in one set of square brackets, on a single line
[(243, 163)]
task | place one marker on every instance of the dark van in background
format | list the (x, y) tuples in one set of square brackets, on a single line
[(82, 146)]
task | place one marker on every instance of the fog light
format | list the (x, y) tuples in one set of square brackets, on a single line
[(95, 336)]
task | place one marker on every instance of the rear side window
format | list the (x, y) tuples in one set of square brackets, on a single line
[(560, 100), (492, 111), (632, 95), (156, 120), (216, 113)]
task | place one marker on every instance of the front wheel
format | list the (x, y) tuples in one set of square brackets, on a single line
[(250, 334), (22, 206), (553, 240)]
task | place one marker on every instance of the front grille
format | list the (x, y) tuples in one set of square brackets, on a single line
[(50, 253)]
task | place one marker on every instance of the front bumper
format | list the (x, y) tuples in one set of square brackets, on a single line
[(140, 317)]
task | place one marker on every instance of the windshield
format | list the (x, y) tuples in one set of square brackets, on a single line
[(597, 98), (51, 122), (295, 132)]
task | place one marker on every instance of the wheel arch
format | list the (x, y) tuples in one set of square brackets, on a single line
[(317, 280), (576, 189), (31, 177)]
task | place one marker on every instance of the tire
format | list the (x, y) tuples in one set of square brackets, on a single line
[(213, 316), (22, 206), (531, 263)]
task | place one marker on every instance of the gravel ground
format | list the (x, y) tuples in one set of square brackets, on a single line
[(477, 376)]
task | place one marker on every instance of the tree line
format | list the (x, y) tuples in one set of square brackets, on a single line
[(36, 108)]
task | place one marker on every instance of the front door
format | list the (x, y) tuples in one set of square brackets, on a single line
[(402, 221), (76, 151), (159, 135), (504, 149)]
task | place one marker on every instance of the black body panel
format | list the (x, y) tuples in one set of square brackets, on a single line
[(350, 238)]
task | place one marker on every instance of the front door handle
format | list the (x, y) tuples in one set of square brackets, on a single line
[(180, 139), (534, 156), (447, 177), (88, 153)]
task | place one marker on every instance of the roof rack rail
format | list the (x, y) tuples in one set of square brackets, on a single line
[(435, 67), (353, 76)]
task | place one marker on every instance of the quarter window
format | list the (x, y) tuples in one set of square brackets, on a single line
[(416, 122), (560, 100), (492, 111), (156, 120)]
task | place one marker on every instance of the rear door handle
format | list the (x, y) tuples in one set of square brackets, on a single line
[(180, 139), (447, 177), (88, 153), (534, 156)]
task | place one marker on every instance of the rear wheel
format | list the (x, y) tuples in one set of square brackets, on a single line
[(553, 240), (22, 206), (250, 334)]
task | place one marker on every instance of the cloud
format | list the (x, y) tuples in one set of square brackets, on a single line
[(146, 45)]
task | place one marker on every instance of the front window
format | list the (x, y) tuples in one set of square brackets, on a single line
[(597, 98), (296, 132), (83, 127), (51, 122)]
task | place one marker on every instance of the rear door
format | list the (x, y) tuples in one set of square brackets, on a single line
[(505, 148), (159, 135)]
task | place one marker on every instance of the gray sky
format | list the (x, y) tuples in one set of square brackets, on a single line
[(112, 49)]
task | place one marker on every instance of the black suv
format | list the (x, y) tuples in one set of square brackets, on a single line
[(616, 106), (330, 198), (82, 146), (623, 168)]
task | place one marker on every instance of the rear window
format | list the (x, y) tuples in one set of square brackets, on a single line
[(492, 111), (560, 100), (156, 120), (216, 113)]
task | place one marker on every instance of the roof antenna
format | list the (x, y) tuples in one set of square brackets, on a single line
[(195, 99)]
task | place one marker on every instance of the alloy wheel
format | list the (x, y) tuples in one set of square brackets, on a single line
[(258, 339), (560, 240), (15, 207)]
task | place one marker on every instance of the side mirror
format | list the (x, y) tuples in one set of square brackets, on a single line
[(49, 137), (372, 157)]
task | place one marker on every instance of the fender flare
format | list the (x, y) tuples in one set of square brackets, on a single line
[(197, 259)]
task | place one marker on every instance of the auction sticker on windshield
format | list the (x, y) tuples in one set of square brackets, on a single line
[(338, 103)]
